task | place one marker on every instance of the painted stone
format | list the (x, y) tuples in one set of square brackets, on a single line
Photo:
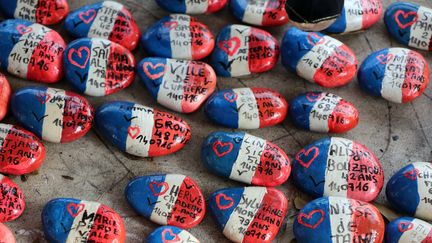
[(243, 50), (407, 230), (338, 167), (31, 51), (98, 67), (260, 12), (46, 12), (167, 199), (357, 15), (249, 214), (171, 234), (246, 108), (409, 190), (192, 7), (54, 115), (108, 20), (179, 85), (318, 58), (6, 235), (12, 201), (338, 219), (178, 36), (396, 74), (323, 112), (5, 93), (74, 220), (243, 157), (410, 24), (141, 130)]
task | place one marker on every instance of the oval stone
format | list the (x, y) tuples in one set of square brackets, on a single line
[(6, 235), (246, 108), (46, 12), (338, 167), (178, 36), (261, 13), (179, 85), (243, 50), (249, 214), (337, 219), (54, 115), (243, 157), (167, 234), (409, 190), (108, 20), (141, 130), (192, 7), (323, 112), (410, 24), (407, 230), (318, 58), (31, 51), (5, 93), (12, 202), (398, 75), (74, 220), (357, 15), (98, 67), (167, 199)]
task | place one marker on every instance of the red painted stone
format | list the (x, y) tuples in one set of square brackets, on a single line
[(5, 93), (12, 203), (6, 236)]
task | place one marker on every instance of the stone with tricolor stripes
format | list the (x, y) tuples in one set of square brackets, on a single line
[(338, 219), (31, 51), (318, 58), (323, 112), (108, 20), (12, 201), (46, 12), (249, 214), (6, 234), (75, 220), (178, 36), (171, 234), (180, 85), (246, 108), (192, 6), (141, 131), (338, 167), (167, 199), (242, 50), (246, 158), (54, 115), (260, 12), (98, 67), (409, 190), (5, 94), (408, 230), (357, 15), (398, 75)]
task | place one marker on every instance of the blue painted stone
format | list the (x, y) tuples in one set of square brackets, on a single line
[(167, 234), (407, 230), (192, 7), (261, 13)]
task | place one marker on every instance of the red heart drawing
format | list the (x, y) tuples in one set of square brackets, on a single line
[(22, 29), (218, 148), (79, 54), (230, 96), (384, 59), (314, 39), (405, 226), (312, 97), (43, 97), (230, 46), (412, 174), (74, 209), (405, 17), (171, 24), (224, 205), (87, 16), (154, 187), (315, 151), (153, 76), (134, 131), (168, 232), (302, 216)]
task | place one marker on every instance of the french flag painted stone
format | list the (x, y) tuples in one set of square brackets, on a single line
[(318, 58), (410, 24), (178, 36), (192, 7), (180, 85), (410, 190), (167, 199), (108, 20), (243, 157), (338, 219), (98, 67), (54, 115), (323, 112), (5, 93), (249, 214), (141, 130), (46, 12), (243, 50), (6, 235), (357, 15), (338, 167), (407, 230), (246, 108), (31, 51), (171, 234), (397, 74), (260, 12), (12, 202), (74, 220)]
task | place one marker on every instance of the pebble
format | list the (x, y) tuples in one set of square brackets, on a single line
[(12, 202), (140, 130), (98, 67), (167, 199), (5, 93), (192, 7), (407, 230), (318, 58), (243, 157), (261, 12), (6, 234), (179, 85), (54, 115), (171, 234)]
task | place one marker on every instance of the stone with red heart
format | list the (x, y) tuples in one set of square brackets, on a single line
[(171, 234), (408, 229)]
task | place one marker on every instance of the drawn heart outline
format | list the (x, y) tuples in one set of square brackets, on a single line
[(75, 209), (384, 59), (405, 16), (87, 16), (155, 186), (171, 24), (314, 39), (405, 226), (230, 96), (22, 29), (312, 97), (79, 53), (218, 148), (150, 73), (412, 174), (309, 216), (221, 201), (170, 233), (299, 156), (230, 46), (134, 131)]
